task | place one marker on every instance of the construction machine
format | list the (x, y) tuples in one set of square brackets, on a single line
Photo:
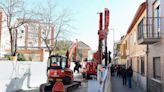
[(101, 53), (58, 71), (91, 69)]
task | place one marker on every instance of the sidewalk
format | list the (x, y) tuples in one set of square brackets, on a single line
[(117, 86)]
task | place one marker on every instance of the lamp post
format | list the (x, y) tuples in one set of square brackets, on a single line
[(113, 39)]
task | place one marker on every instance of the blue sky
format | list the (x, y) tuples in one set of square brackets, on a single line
[(86, 18)]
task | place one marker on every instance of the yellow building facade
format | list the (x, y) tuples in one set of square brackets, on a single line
[(132, 53)]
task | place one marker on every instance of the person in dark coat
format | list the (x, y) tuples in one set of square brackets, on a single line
[(118, 71), (129, 76), (123, 76), (77, 66), (112, 70)]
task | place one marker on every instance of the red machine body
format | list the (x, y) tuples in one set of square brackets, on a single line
[(58, 87), (58, 71), (91, 69), (72, 51), (59, 66)]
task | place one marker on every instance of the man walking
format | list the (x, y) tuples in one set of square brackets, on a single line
[(124, 76), (129, 76), (77, 66)]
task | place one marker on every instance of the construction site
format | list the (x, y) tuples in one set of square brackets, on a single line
[(81, 46)]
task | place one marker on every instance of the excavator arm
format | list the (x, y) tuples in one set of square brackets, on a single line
[(72, 51)]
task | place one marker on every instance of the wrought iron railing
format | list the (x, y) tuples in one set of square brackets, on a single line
[(149, 27)]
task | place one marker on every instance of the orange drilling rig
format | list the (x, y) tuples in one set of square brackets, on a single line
[(91, 67), (102, 33)]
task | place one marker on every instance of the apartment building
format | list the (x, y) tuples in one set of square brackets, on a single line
[(30, 42), (116, 54), (4, 34), (132, 52), (123, 47), (154, 39), (144, 44)]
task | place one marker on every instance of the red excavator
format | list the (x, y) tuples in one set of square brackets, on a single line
[(59, 66), (58, 70)]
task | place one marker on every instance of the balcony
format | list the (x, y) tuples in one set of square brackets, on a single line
[(123, 51), (149, 39), (149, 33)]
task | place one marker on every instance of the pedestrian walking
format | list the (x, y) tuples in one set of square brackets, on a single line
[(124, 76), (118, 70), (77, 66), (129, 76), (112, 70)]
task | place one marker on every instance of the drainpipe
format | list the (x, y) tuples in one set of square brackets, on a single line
[(147, 46)]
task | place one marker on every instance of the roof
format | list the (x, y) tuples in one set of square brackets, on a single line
[(81, 44), (138, 14)]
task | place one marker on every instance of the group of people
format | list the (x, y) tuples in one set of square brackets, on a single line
[(125, 74)]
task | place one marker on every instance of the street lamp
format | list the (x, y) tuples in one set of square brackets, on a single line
[(113, 39)]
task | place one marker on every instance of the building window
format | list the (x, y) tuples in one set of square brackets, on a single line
[(140, 30), (157, 68), (142, 66), (137, 64), (158, 20)]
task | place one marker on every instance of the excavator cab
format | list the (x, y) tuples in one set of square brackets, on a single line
[(57, 62), (57, 70)]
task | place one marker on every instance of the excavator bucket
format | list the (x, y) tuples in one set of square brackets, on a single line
[(58, 87)]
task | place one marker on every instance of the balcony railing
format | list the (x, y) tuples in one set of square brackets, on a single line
[(149, 30)]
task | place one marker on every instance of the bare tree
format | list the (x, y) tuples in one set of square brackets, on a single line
[(51, 21), (13, 9)]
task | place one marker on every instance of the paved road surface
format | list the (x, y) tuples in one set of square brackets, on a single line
[(117, 86), (78, 77), (84, 84)]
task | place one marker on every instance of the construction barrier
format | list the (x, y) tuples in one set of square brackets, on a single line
[(20, 75), (105, 79)]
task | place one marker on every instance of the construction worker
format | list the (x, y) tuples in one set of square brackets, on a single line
[(77, 66), (84, 70)]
